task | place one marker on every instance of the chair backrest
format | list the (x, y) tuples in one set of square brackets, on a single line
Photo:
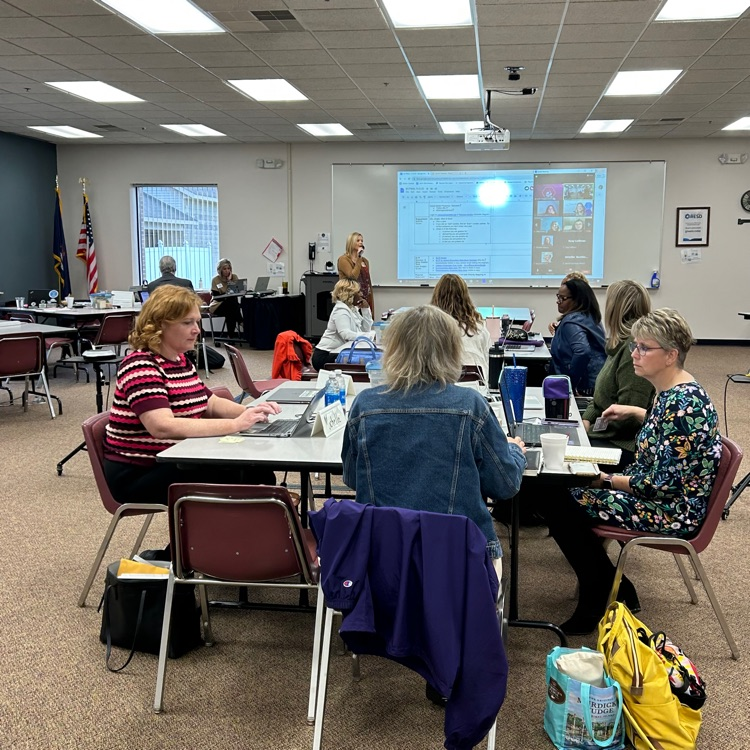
[(237, 533), (731, 458), (205, 296), (241, 373), (93, 434), (115, 329), (21, 355), (222, 392), (470, 374), (21, 317)]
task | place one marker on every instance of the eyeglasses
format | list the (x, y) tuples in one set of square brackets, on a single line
[(642, 348), (560, 298)]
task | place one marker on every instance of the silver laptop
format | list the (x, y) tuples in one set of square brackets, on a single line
[(295, 395), (261, 287), (528, 431), (237, 286), (284, 428)]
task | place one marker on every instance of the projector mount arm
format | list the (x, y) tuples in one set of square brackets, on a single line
[(506, 92)]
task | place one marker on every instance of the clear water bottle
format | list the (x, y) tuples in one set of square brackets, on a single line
[(332, 389), (342, 387), (200, 283)]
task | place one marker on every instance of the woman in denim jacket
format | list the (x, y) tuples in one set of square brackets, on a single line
[(422, 442)]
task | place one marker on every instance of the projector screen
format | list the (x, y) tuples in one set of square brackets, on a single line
[(522, 225)]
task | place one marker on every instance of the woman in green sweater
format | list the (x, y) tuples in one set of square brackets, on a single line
[(617, 382)]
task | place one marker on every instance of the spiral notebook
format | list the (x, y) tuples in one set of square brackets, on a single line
[(593, 454)]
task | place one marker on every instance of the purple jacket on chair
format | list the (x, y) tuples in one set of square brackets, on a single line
[(419, 588)]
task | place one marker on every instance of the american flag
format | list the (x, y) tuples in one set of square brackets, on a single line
[(86, 249)]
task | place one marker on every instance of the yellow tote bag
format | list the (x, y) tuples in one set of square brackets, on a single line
[(654, 717)]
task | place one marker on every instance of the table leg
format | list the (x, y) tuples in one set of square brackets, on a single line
[(513, 619)]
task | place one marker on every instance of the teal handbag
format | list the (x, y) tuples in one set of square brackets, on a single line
[(580, 716)]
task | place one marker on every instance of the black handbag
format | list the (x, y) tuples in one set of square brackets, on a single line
[(133, 613)]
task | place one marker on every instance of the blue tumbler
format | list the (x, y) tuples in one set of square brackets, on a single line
[(515, 379)]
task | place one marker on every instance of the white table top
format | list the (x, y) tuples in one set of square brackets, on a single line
[(16, 327), (516, 314), (79, 312), (307, 453)]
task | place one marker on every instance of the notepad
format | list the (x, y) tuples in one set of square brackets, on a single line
[(593, 455)]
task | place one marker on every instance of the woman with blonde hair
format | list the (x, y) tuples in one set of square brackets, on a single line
[(451, 295), (464, 456), (228, 308), (353, 265), (350, 318), (617, 383), (159, 399)]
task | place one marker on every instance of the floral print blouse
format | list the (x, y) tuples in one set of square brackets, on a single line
[(678, 451)]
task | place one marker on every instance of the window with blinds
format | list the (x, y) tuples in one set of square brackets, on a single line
[(181, 221)]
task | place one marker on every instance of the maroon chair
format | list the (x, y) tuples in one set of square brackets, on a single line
[(22, 356), (250, 387), (238, 536), (731, 458), (93, 433)]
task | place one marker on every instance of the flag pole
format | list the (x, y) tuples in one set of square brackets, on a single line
[(57, 197)]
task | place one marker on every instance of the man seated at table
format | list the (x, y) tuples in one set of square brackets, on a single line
[(168, 268)]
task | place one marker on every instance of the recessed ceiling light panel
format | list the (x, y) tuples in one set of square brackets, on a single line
[(194, 130), (165, 16), (95, 91), (64, 131), (324, 129), (641, 82), (450, 87), (605, 126), (742, 124), (268, 90), (423, 14), (700, 10), (459, 128)]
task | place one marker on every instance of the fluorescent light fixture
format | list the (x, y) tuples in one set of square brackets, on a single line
[(64, 131), (323, 129), (742, 124), (428, 13), (268, 90), (641, 82), (450, 87), (700, 10), (605, 126), (195, 131), (165, 16), (459, 128), (95, 91)]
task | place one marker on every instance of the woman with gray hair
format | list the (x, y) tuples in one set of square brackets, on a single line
[(350, 317), (664, 490), (422, 442)]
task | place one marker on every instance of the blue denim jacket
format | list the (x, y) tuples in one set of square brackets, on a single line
[(434, 449)]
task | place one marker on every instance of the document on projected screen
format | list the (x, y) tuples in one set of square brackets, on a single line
[(501, 224)]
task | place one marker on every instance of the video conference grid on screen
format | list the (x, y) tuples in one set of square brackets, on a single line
[(501, 224)]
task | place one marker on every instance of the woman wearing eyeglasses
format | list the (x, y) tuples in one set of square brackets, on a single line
[(617, 383), (578, 347), (664, 490)]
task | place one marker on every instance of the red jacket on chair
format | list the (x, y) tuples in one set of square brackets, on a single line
[(286, 362)]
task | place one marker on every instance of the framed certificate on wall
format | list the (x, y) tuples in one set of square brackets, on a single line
[(692, 227)]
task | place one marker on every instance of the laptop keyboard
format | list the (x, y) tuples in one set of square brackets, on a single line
[(519, 347), (530, 433), (279, 427)]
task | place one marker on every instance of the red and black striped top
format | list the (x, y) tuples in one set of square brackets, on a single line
[(147, 381)]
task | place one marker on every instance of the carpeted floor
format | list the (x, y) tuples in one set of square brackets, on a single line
[(249, 691)]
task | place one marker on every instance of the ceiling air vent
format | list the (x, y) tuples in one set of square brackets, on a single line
[(378, 126), (109, 128), (662, 121), (278, 20)]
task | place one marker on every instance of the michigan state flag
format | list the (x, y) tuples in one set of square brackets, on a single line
[(59, 251)]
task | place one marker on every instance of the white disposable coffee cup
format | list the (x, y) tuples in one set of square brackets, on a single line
[(69, 301), (553, 449), (280, 290)]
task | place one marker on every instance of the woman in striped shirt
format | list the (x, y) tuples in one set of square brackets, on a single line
[(159, 399)]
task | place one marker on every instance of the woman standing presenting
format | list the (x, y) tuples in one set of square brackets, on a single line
[(228, 308), (353, 265)]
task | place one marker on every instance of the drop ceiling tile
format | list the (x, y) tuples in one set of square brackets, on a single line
[(526, 34), (362, 19), (25, 63), (53, 45), (600, 32), (135, 44), (521, 14), (241, 59), (349, 39), (460, 36), (107, 24), (592, 50), (716, 61), (382, 55), (692, 48), (301, 72), (296, 57), (279, 41), (610, 12), (667, 32)]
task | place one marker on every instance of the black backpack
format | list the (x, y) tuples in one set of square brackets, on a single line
[(215, 359)]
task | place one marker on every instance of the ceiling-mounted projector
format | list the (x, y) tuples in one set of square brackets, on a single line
[(487, 139)]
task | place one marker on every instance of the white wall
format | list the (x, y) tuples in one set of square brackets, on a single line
[(293, 204)]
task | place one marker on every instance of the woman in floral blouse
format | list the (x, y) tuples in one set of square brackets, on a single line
[(664, 490)]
